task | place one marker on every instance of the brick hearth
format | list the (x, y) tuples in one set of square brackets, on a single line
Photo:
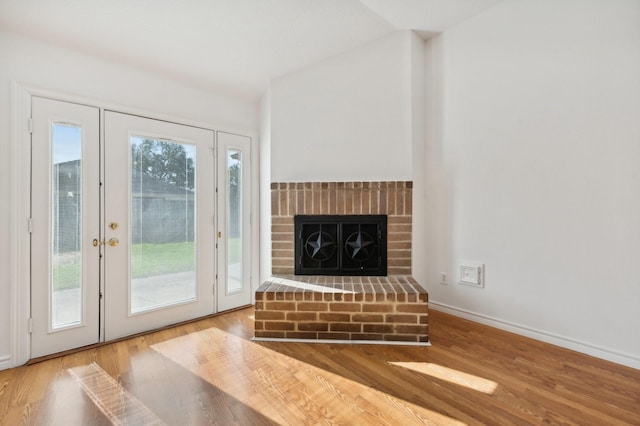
[(373, 309)]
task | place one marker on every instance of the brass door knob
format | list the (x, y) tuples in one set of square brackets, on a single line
[(113, 242), (113, 225)]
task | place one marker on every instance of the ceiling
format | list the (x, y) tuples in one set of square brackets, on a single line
[(235, 47)]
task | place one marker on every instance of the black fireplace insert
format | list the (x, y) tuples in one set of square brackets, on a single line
[(341, 245)]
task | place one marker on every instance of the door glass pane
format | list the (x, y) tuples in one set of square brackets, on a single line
[(234, 220), (163, 246), (66, 265)]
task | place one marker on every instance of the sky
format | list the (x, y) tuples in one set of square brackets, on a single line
[(67, 143)]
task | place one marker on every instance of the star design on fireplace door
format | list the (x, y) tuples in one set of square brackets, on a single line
[(320, 244), (359, 244)]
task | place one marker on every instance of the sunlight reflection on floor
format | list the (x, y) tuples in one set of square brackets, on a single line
[(118, 405), (287, 390), (450, 375)]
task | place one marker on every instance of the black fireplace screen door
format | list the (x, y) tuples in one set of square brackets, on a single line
[(341, 245)]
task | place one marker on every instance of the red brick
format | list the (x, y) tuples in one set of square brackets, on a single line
[(275, 220), (312, 306), (329, 316), (399, 270), (412, 329), (270, 333), (282, 270), (345, 307), (367, 318), (278, 325), (377, 307), (377, 328), (269, 315), (341, 326), (301, 335), (400, 337), (418, 308), (282, 227), (334, 336), (302, 316), (313, 326), (410, 319), (366, 336), (259, 325), (280, 306)]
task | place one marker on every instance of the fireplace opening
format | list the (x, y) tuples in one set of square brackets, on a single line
[(341, 245)]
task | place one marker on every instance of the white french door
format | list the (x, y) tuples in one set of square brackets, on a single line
[(234, 195), (159, 214), (126, 220), (65, 218)]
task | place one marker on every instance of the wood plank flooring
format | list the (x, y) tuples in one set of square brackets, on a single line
[(210, 372)]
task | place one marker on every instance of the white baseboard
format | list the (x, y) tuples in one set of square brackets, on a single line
[(5, 362), (565, 342)]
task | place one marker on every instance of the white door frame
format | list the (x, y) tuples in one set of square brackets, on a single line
[(20, 182)]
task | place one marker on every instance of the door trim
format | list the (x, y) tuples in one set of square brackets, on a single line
[(20, 183)]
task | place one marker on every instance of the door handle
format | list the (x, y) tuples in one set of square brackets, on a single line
[(114, 242)]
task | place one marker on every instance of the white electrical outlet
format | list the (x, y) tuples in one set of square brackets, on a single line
[(443, 278), (471, 273)]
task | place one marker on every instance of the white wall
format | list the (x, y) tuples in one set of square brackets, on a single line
[(347, 118), (533, 167), (52, 68), (358, 116)]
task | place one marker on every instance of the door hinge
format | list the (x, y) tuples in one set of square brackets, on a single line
[(30, 225), (30, 325), (30, 125)]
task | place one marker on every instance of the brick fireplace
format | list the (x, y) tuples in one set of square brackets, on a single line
[(372, 309)]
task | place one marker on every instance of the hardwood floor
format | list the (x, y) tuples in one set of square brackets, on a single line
[(210, 372)]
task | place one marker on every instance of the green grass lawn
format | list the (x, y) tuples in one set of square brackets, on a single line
[(158, 259), (148, 260)]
